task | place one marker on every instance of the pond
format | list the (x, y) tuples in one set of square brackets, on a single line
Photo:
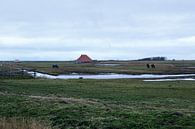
[(109, 76)]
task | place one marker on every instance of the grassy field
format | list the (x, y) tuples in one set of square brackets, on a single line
[(19, 123), (102, 104), (127, 67)]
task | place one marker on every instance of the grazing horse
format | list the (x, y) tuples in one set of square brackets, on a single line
[(55, 66), (153, 66), (148, 66)]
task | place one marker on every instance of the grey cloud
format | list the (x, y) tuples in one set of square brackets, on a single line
[(106, 29)]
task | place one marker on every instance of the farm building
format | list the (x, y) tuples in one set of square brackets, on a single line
[(84, 59)]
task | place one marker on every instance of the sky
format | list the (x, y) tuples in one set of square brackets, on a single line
[(103, 29)]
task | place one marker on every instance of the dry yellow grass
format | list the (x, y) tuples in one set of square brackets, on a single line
[(13, 123)]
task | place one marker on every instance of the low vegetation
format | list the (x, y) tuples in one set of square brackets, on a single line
[(19, 123), (102, 104), (9, 70), (125, 67)]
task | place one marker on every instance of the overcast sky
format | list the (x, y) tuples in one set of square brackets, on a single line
[(103, 29)]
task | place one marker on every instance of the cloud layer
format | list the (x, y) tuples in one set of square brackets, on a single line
[(104, 29)]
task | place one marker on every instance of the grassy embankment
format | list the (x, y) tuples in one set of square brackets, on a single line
[(10, 70), (106, 104), (127, 67)]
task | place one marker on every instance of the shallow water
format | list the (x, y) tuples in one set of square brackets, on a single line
[(107, 64), (178, 79), (110, 76), (191, 67)]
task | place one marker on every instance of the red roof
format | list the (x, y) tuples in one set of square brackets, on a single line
[(84, 59)]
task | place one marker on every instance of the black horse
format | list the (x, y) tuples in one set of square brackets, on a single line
[(148, 66), (153, 66), (55, 66)]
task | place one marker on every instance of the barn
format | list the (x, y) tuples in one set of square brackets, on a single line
[(84, 59)]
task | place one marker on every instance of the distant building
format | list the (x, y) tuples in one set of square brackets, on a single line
[(84, 59), (154, 59)]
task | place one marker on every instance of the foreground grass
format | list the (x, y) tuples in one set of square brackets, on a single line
[(14, 123), (101, 104)]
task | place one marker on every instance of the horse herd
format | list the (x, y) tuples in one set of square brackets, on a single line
[(153, 66)]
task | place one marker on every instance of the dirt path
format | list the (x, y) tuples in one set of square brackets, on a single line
[(66, 100), (54, 98)]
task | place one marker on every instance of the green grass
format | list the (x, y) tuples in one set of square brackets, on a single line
[(19, 123), (100, 104), (128, 67)]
